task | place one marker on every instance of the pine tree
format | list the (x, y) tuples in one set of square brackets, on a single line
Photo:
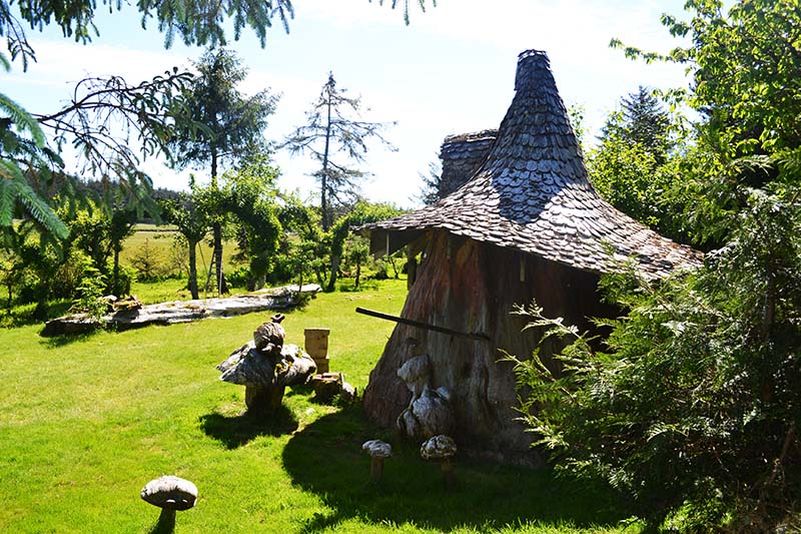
[(333, 130), (642, 121), (231, 128)]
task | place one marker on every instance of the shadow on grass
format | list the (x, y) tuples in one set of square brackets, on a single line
[(238, 430), (326, 458), (27, 315), (67, 339), (165, 523)]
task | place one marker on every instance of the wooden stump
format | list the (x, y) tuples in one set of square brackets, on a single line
[(262, 400), (376, 469)]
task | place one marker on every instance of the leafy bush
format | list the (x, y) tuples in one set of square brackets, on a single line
[(126, 276), (694, 404), (239, 277), (90, 294)]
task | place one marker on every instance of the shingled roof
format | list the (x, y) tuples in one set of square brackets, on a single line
[(532, 194)]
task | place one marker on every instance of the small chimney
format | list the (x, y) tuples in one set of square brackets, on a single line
[(461, 156)]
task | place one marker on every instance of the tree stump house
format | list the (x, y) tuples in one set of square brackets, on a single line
[(525, 225)]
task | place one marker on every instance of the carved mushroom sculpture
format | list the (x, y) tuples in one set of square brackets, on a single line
[(171, 494), (265, 366), (441, 448), (378, 450)]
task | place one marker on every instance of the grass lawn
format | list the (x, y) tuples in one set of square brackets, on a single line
[(86, 422)]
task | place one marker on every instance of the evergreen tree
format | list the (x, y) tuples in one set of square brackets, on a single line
[(230, 128), (333, 130), (642, 121), (431, 191)]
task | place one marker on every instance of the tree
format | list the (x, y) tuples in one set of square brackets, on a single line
[(333, 129), (187, 214), (431, 191), (362, 213), (251, 196), (641, 121), (357, 252), (23, 150), (232, 127), (691, 406)]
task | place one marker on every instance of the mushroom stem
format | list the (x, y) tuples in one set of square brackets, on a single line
[(376, 468), (447, 473), (264, 400), (166, 522)]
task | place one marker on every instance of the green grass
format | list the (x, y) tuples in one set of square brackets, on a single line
[(86, 422)]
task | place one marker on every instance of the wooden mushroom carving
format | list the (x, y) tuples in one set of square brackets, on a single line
[(171, 494), (265, 366), (443, 449), (378, 450)]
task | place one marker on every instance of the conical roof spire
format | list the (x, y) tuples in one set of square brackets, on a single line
[(532, 193)]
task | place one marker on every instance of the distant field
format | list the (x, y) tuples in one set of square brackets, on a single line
[(161, 242)]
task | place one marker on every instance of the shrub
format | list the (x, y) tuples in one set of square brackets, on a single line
[(148, 263), (90, 294), (694, 405)]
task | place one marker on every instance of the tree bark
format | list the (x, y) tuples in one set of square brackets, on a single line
[(358, 273), (217, 253), (324, 178), (332, 280), (115, 276), (193, 270)]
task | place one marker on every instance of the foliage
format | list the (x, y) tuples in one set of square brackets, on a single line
[(90, 294), (23, 150), (641, 121), (640, 165), (194, 23), (745, 65), (306, 249), (332, 130), (363, 213), (695, 402), (113, 125), (250, 196), (356, 254), (432, 184), (232, 129), (221, 125), (147, 263), (187, 213), (690, 406)]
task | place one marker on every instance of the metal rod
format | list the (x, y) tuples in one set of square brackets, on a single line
[(419, 324)]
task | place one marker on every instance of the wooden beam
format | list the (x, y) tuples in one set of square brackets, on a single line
[(420, 324)]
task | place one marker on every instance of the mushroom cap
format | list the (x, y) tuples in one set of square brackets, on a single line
[(438, 448), (170, 492), (377, 448)]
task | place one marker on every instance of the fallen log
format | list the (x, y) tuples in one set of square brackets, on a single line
[(167, 313)]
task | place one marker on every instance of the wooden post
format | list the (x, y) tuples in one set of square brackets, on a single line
[(317, 347)]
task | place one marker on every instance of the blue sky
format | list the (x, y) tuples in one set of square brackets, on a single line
[(450, 71)]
